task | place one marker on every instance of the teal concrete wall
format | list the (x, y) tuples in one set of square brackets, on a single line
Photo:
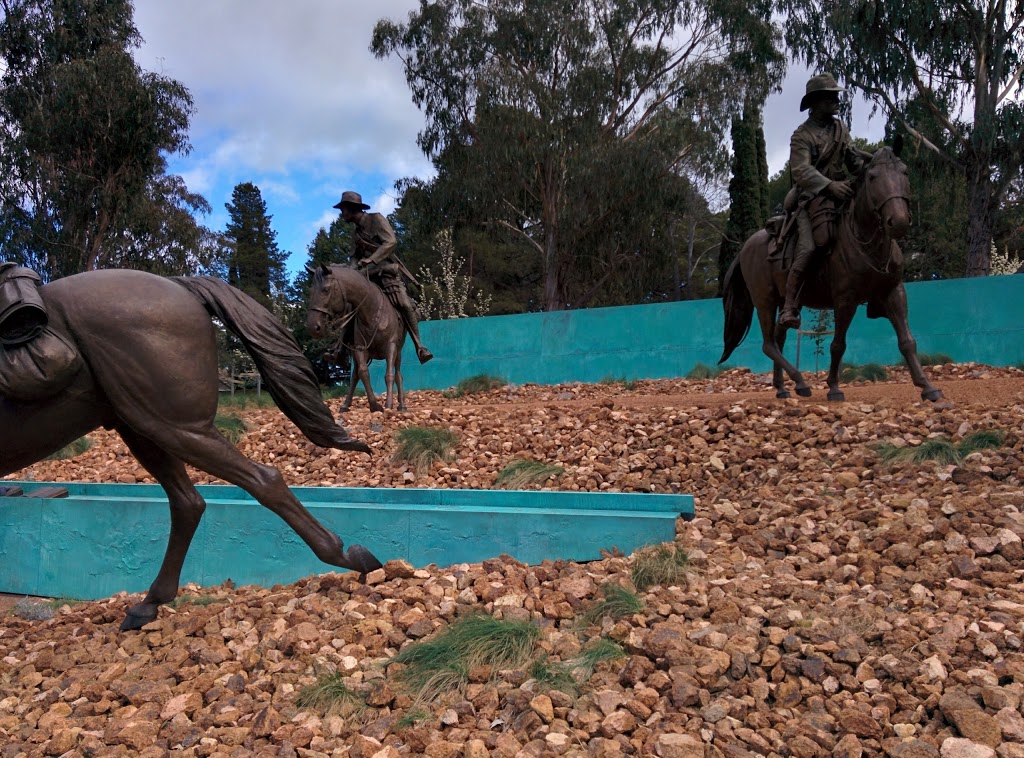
[(976, 320), (108, 538)]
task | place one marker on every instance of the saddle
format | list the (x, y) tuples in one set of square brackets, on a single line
[(36, 362)]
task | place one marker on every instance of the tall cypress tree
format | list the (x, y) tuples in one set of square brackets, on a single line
[(748, 188), (255, 264)]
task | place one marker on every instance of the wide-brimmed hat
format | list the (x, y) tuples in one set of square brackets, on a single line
[(818, 85), (352, 198)]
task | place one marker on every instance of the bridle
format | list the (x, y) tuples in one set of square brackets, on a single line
[(876, 206), (339, 323)]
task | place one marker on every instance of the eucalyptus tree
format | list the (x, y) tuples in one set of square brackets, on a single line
[(962, 60), (84, 136), (571, 123)]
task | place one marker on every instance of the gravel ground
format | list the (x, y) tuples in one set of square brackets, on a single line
[(835, 604)]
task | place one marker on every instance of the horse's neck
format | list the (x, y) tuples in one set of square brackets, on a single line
[(862, 228), (366, 297)]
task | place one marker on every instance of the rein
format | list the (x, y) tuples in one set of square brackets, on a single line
[(341, 323)]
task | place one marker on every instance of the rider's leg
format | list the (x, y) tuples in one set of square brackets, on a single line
[(790, 317), (407, 310)]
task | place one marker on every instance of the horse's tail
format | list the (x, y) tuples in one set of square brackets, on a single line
[(738, 306), (287, 373)]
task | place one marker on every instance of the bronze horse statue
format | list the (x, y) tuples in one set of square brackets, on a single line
[(149, 371), (368, 324), (864, 266)]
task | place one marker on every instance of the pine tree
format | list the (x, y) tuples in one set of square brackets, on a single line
[(748, 188), (254, 263)]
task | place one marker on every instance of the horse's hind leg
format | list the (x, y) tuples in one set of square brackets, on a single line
[(187, 508), (390, 357), (766, 318), (398, 381), (842, 316), (208, 451)]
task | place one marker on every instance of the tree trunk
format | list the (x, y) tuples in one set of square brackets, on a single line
[(980, 219), (554, 284)]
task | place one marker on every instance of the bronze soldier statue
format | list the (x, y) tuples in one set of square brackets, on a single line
[(819, 155), (373, 251)]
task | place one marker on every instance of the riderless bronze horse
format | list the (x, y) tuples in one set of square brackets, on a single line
[(149, 371), (346, 301), (865, 266)]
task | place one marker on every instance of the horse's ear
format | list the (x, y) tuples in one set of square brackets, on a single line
[(897, 144), (325, 269), (310, 269)]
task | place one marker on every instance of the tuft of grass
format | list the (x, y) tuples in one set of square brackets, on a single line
[(869, 372), (442, 663), (330, 695), (243, 400), (411, 718), (933, 359), (704, 371), (472, 385), (340, 391), (617, 602), (523, 471), (629, 384), (232, 427), (942, 450), (73, 450), (664, 564), (33, 609), (420, 446), (570, 676), (984, 439), (194, 600)]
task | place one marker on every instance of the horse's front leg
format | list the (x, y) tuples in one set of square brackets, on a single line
[(842, 316), (778, 377), (353, 379), (362, 361), (896, 310), (187, 507), (390, 352), (766, 318)]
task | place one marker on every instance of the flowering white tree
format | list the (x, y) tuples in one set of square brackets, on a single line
[(1002, 263), (446, 293)]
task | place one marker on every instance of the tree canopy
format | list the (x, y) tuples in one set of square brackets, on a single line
[(84, 135), (949, 71), (253, 260), (570, 124)]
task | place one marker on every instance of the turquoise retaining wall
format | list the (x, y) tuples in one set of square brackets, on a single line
[(106, 538), (980, 320)]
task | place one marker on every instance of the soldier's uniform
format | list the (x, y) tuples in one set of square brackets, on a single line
[(374, 242), (819, 154)]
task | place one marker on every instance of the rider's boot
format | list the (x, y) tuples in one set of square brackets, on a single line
[(412, 324), (790, 316)]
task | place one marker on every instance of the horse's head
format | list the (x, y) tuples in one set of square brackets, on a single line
[(322, 299), (885, 191)]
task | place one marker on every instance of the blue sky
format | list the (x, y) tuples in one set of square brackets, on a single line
[(289, 97)]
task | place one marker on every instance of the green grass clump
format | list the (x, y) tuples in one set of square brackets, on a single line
[(243, 400), (412, 717), (704, 371), (474, 384), (942, 450), (443, 663), (32, 609), (330, 695), (232, 427), (869, 372), (664, 564), (340, 392), (194, 600), (617, 602), (629, 384), (420, 446), (73, 450), (570, 676), (933, 359), (522, 471)]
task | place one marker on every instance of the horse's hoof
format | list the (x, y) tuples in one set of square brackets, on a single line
[(362, 560), (344, 409), (402, 407), (932, 395), (803, 391), (836, 396), (138, 616), (782, 394)]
